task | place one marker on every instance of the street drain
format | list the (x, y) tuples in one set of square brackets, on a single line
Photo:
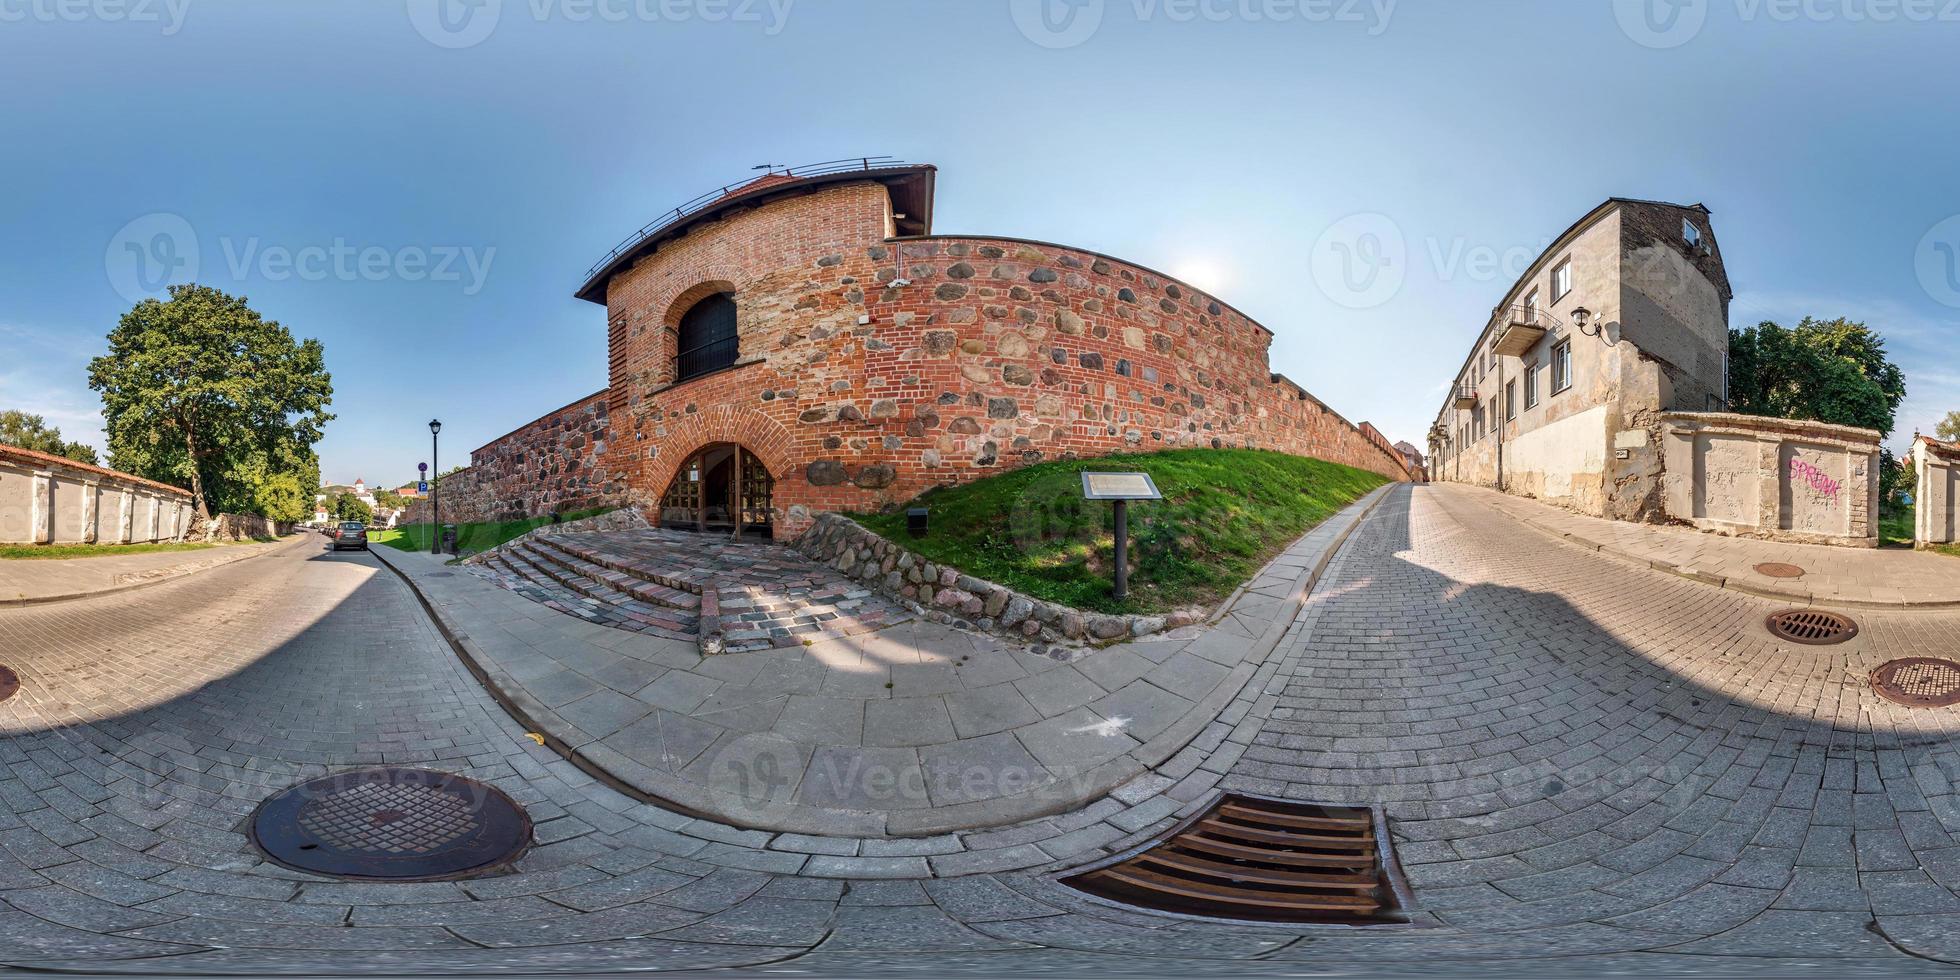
[(9, 683), (1920, 682), (1778, 569), (1813, 626), (391, 824), (1260, 859)]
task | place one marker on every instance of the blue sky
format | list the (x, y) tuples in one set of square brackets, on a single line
[(424, 193)]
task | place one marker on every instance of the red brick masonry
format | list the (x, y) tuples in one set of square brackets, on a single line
[(873, 368)]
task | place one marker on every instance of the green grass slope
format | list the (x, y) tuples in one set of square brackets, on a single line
[(470, 538), (1225, 513)]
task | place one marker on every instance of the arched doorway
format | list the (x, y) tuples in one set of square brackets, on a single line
[(722, 487)]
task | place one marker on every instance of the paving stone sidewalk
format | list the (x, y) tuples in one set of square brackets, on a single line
[(35, 580), (915, 729), (1852, 577), (1591, 769)]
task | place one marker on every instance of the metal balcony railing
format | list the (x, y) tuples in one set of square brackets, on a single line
[(667, 219)]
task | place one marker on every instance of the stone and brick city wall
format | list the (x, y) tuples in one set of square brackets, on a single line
[(872, 368), (551, 464), (858, 392)]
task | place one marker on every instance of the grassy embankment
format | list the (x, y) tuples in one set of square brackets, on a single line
[(1225, 513), (470, 538), (32, 551)]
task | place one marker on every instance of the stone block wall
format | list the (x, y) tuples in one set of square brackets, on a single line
[(1778, 479), (553, 463), (872, 369), (46, 499), (944, 595), (1936, 496)]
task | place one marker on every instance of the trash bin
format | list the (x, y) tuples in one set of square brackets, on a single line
[(449, 538)]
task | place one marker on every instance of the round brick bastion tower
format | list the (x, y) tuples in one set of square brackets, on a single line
[(803, 342)]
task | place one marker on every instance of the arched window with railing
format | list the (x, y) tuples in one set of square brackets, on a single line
[(706, 338)]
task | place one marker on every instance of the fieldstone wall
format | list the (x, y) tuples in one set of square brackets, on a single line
[(239, 527), (872, 369), (941, 594), (551, 464)]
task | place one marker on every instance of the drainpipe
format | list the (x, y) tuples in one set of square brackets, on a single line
[(1503, 419)]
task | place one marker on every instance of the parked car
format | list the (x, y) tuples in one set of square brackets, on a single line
[(350, 534)]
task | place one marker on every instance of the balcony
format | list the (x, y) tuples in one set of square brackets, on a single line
[(1519, 328), (1466, 397)]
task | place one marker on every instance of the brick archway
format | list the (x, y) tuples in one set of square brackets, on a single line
[(755, 432)]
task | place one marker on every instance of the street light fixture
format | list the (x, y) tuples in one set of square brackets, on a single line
[(435, 488)]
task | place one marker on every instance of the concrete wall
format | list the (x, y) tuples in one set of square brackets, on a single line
[(47, 499), (1772, 478), (1936, 500), (872, 369)]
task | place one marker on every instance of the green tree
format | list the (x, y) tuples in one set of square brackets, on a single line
[(390, 499), (347, 507), (18, 428), (1823, 370), (200, 389), (1948, 428)]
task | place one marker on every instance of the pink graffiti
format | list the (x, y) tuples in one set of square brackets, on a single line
[(1800, 470)]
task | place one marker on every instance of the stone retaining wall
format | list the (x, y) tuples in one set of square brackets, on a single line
[(941, 594), (240, 527)]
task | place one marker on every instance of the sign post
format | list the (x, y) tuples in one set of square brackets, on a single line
[(1120, 489)]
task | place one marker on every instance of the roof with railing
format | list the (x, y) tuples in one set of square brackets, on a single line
[(911, 186)]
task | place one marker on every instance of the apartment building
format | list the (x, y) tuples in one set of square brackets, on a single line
[(1624, 317)]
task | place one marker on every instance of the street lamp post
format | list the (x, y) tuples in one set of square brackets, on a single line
[(435, 488)]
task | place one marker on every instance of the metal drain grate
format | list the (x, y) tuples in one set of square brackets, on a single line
[(1921, 682), (391, 824), (1813, 626), (1260, 859), (1779, 569), (9, 683)]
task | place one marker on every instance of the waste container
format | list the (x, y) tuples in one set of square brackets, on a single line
[(449, 538)]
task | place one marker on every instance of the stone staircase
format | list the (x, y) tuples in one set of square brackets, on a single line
[(724, 596)]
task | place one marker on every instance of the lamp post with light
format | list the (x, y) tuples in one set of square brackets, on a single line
[(435, 488)]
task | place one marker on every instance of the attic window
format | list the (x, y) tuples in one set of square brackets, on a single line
[(1691, 234)]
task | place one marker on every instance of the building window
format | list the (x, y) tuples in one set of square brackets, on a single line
[(1561, 366), (1531, 386), (1531, 306), (707, 338), (1511, 400), (1690, 234), (1561, 280)]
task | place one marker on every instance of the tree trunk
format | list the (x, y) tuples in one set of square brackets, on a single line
[(197, 474)]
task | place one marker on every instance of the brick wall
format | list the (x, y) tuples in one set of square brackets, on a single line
[(553, 463), (859, 392)]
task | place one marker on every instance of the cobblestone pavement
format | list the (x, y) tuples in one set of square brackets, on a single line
[(651, 580), (1589, 767), (1889, 578)]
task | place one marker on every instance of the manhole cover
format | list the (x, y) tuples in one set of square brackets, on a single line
[(1778, 569), (391, 824), (1814, 626), (9, 683), (1922, 682), (1260, 859)]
